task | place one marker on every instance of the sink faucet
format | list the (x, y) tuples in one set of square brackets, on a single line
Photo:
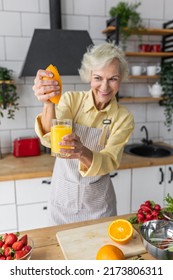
[(146, 140)]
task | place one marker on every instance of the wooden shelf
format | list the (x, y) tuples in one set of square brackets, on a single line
[(149, 54), (148, 31), (144, 77), (139, 99)]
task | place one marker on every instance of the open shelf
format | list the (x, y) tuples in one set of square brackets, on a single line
[(148, 31), (149, 54), (139, 99), (144, 77)]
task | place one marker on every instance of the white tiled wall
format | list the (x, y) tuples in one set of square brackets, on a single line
[(19, 18)]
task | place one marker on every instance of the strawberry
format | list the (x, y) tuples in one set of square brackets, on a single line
[(18, 245), (20, 254), (5, 236), (24, 239), (1, 251), (9, 258), (1, 243), (8, 251), (27, 248), (4, 246), (2, 257), (10, 238)]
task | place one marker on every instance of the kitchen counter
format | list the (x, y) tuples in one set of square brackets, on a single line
[(13, 168), (46, 246)]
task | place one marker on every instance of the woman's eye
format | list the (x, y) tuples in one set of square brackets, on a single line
[(97, 78), (115, 79)]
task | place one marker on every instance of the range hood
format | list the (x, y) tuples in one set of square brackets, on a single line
[(62, 48)]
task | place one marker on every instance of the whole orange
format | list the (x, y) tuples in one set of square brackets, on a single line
[(109, 252), (120, 231)]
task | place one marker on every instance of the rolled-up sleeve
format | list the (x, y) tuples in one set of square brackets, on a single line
[(44, 138)]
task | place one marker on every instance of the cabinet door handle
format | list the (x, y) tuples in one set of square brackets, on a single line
[(46, 182), (45, 208), (113, 175), (162, 176), (171, 175)]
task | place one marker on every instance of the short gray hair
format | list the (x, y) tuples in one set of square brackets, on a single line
[(98, 56)]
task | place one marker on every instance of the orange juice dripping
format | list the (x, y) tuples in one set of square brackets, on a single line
[(56, 76)]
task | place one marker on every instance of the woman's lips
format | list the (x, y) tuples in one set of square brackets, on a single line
[(103, 93)]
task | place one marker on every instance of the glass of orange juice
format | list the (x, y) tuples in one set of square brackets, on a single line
[(59, 129)]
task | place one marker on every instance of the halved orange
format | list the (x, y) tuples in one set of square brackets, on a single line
[(120, 231), (56, 76), (110, 252)]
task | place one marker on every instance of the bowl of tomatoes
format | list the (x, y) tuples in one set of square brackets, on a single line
[(14, 246)]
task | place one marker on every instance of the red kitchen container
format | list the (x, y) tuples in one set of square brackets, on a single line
[(26, 147)]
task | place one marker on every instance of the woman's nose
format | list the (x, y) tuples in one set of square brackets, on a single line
[(104, 84)]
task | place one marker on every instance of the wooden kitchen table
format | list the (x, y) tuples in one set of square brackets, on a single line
[(46, 246)]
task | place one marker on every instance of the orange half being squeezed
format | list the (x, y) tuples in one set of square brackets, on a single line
[(56, 76)]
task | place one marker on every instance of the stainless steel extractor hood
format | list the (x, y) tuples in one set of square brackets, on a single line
[(62, 48)]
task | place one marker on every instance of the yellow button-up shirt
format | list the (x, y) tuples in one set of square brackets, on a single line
[(121, 128)]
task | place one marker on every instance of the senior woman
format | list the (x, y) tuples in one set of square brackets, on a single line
[(81, 188)]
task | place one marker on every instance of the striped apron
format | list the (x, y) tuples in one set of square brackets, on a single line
[(75, 198)]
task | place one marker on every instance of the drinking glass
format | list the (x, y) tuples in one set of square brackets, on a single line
[(59, 129)]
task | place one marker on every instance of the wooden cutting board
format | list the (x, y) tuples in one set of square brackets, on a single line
[(82, 243)]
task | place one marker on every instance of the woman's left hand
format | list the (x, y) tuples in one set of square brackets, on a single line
[(75, 146)]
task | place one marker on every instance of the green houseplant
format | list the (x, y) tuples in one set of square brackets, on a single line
[(129, 19), (8, 94), (166, 80)]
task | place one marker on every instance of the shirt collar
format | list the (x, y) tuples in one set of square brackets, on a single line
[(89, 104)]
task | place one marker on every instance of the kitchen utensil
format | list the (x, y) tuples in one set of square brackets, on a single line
[(161, 229), (145, 47), (24, 147), (155, 90), (153, 70), (82, 243), (137, 70), (156, 47)]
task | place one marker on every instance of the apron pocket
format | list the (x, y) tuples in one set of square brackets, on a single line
[(98, 195), (65, 194)]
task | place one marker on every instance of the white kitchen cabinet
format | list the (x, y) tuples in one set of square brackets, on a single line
[(32, 202), (168, 180), (7, 192), (121, 180), (148, 183), (8, 218), (32, 216)]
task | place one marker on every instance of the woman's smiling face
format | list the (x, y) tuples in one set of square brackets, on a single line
[(105, 83)]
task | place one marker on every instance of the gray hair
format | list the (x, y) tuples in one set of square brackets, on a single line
[(98, 56)]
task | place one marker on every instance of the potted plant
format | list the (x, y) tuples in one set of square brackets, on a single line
[(166, 81), (129, 19), (8, 94)]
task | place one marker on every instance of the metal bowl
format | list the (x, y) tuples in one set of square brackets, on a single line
[(156, 231)]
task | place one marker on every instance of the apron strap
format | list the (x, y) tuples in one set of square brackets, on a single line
[(105, 132)]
